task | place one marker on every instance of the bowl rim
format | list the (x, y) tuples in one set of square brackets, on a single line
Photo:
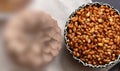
[(68, 47)]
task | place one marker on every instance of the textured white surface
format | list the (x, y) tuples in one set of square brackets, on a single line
[(60, 10)]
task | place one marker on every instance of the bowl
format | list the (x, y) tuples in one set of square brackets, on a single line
[(66, 39)]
